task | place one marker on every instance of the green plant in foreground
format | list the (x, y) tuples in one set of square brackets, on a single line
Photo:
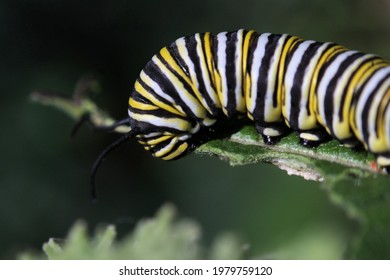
[(161, 237)]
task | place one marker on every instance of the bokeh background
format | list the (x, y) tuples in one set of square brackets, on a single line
[(44, 173)]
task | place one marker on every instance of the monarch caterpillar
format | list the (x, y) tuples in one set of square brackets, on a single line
[(203, 85)]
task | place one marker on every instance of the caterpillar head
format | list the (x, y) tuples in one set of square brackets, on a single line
[(157, 135), (166, 146), (164, 137)]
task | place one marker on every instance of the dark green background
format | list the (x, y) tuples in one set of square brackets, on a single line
[(44, 173)]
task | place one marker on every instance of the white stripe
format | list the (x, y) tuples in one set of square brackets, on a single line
[(221, 66), (375, 144), (330, 72), (174, 123), (386, 123), (258, 55), (292, 68), (365, 94), (167, 148), (310, 120), (205, 73), (191, 101), (342, 83), (238, 64), (181, 45), (272, 114), (156, 87)]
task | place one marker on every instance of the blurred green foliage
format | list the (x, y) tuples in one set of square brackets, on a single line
[(44, 173), (161, 237)]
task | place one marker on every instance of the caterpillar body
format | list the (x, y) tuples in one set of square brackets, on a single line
[(205, 84)]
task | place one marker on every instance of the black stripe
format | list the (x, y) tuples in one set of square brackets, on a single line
[(296, 90), (367, 108), (165, 143), (277, 82), (249, 63), (381, 116), (146, 128), (243, 74), (332, 89), (210, 74), (330, 45), (325, 66), (191, 45), (149, 90), (173, 50), (344, 94), (186, 86), (262, 82), (359, 91), (230, 70), (160, 113), (138, 97), (154, 72), (296, 87)]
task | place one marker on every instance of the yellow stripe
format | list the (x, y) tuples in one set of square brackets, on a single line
[(147, 148), (343, 128), (172, 62), (181, 149), (209, 55), (376, 140), (176, 67), (248, 97), (218, 82), (206, 75), (142, 91), (288, 45), (381, 120), (166, 149), (174, 123), (274, 114), (218, 87), (193, 82), (247, 79), (142, 106), (158, 140), (328, 54), (188, 98), (245, 50), (352, 112)]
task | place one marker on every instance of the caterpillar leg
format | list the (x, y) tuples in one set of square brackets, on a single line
[(273, 133), (384, 162), (353, 144), (313, 138), (358, 148)]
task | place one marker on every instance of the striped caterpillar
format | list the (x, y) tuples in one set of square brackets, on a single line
[(205, 85)]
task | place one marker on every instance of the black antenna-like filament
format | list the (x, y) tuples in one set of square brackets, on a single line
[(103, 155), (86, 118)]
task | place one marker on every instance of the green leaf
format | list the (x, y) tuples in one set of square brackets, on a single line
[(368, 201), (246, 147), (346, 175)]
